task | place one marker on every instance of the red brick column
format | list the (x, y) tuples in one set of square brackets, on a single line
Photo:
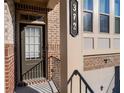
[(9, 68), (54, 44)]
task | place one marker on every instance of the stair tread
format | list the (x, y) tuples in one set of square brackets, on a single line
[(35, 81)]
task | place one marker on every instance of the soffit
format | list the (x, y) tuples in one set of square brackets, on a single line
[(42, 3)]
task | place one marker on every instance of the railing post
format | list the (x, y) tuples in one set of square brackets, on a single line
[(42, 69), (85, 89), (28, 75), (31, 74), (71, 86), (81, 79), (80, 84), (36, 72)]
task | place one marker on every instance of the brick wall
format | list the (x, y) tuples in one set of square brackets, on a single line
[(101, 61), (54, 31), (54, 43), (9, 24), (9, 68)]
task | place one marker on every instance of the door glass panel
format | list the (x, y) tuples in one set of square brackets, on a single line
[(27, 55), (37, 55), (27, 48), (32, 55), (37, 48), (27, 31), (33, 42), (32, 31), (37, 32), (27, 40), (37, 40), (32, 48)]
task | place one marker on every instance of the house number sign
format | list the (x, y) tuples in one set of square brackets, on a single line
[(74, 17)]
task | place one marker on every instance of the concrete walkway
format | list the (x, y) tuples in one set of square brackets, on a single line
[(38, 88), (25, 90)]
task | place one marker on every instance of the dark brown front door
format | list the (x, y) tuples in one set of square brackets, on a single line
[(32, 51)]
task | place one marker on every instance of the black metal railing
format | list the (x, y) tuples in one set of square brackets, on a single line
[(111, 85), (36, 71), (55, 71), (88, 89), (55, 64)]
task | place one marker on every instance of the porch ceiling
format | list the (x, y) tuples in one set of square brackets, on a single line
[(42, 3)]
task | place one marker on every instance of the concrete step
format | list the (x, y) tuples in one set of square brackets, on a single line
[(35, 81)]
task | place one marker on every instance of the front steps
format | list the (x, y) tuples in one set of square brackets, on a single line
[(38, 86), (35, 81)]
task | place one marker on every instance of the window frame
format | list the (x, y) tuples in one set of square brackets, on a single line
[(108, 7), (108, 23), (91, 21), (104, 14), (115, 25), (88, 11), (40, 57), (116, 16), (115, 8)]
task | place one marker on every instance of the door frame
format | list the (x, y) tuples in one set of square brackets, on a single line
[(45, 48), (18, 67), (22, 26)]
